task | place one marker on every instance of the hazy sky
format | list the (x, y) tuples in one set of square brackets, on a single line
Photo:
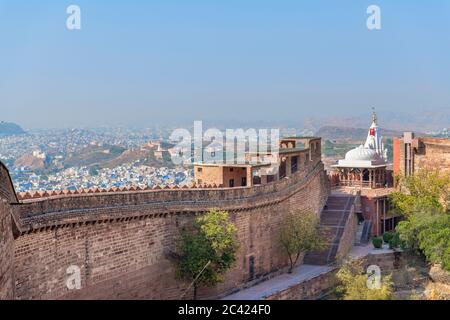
[(142, 62)]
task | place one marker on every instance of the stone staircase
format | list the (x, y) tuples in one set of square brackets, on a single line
[(332, 223)]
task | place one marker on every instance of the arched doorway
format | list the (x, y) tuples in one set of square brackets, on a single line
[(366, 177)]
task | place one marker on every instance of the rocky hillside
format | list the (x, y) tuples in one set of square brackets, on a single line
[(10, 129), (31, 161)]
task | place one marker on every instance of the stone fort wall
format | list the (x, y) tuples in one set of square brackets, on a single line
[(433, 153), (6, 237), (122, 241), (428, 153)]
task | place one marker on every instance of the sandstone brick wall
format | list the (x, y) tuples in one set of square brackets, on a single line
[(321, 285), (311, 289), (122, 242), (428, 153), (6, 252), (434, 153), (7, 196), (348, 237), (6, 186)]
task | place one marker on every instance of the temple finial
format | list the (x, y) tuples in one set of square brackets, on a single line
[(374, 116)]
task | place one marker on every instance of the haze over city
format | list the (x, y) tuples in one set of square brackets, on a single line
[(140, 63)]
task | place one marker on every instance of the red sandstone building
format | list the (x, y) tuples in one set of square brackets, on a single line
[(294, 153)]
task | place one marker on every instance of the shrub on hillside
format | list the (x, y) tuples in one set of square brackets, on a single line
[(353, 283)]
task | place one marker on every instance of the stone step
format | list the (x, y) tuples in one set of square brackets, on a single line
[(332, 222), (322, 257)]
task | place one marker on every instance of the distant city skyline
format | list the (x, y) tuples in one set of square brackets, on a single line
[(172, 62)]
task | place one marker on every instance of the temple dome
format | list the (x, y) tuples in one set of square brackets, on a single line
[(363, 154), (361, 157)]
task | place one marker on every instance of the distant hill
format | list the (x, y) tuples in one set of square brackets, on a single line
[(93, 156), (10, 129), (109, 156), (32, 161), (341, 133), (145, 156)]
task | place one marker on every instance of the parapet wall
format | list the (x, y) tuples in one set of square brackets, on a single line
[(121, 242), (6, 252), (65, 209), (6, 237)]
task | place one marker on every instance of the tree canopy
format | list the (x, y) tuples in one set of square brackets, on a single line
[(300, 233), (207, 250), (423, 199)]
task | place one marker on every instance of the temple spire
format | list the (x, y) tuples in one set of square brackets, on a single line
[(374, 116)]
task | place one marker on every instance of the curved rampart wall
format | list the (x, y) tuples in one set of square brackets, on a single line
[(121, 242), (6, 236)]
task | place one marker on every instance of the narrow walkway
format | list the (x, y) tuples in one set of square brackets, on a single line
[(364, 250), (300, 274), (279, 283)]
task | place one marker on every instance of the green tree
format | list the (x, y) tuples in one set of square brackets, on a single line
[(424, 201), (207, 250), (300, 233), (434, 241), (353, 284), (427, 189)]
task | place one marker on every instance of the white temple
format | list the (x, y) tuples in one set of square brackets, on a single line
[(369, 155), (365, 165)]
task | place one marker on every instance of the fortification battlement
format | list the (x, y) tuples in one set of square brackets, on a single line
[(84, 208), (31, 196)]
